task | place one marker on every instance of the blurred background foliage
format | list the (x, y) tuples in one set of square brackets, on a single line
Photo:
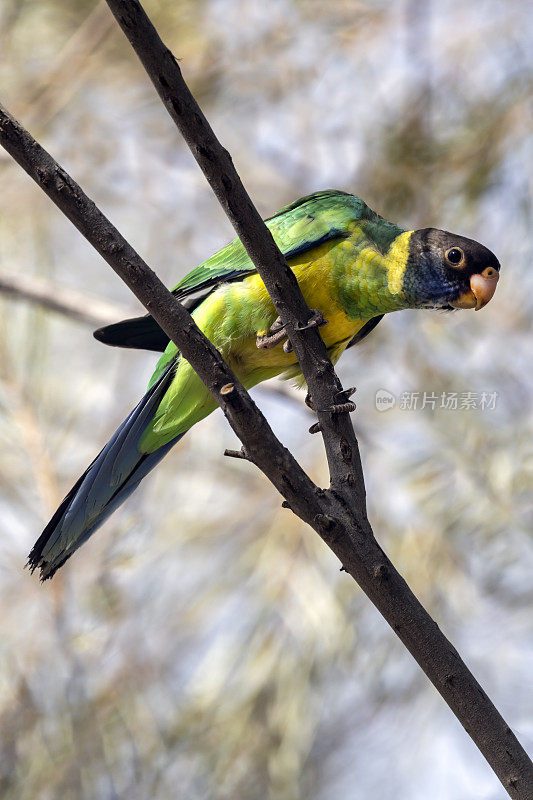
[(204, 644)]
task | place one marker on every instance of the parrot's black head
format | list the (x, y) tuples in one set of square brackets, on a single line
[(448, 271)]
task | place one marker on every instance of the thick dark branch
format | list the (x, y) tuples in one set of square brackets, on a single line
[(329, 515), (244, 416), (215, 162)]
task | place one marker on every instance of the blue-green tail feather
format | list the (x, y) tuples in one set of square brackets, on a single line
[(113, 475)]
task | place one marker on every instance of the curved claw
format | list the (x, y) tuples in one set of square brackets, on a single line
[(309, 402), (275, 335), (277, 332)]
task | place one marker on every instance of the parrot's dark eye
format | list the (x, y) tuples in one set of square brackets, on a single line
[(455, 257)]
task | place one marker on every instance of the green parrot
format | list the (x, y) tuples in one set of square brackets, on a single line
[(352, 266)]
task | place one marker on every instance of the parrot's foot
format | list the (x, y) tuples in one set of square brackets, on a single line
[(275, 335), (347, 404), (337, 408), (277, 332), (340, 408)]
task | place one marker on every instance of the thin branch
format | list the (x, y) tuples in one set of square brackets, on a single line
[(95, 312), (55, 87), (325, 511), (54, 296)]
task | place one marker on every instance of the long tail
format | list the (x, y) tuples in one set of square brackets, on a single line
[(113, 475)]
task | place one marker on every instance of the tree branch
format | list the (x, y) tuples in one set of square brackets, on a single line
[(345, 531), (93, 311), (243, 415), (341, 446), (54, 296)]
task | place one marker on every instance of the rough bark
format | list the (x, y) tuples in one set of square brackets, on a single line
[(341, 446)]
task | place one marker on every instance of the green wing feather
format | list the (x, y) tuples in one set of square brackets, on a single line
[(296, 228)]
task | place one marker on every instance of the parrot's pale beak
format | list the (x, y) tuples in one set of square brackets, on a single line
[(482, 288)]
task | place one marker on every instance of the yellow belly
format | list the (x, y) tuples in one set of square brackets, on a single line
[(247, 311), (232, 318)]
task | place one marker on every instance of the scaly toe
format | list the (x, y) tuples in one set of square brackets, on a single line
[(309, 402), (276, 334)]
